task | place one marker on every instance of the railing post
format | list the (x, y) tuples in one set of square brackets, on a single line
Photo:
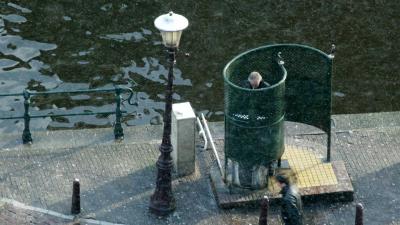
[(329, 143), (263, 220), (359, 214), (329, 132), (26, 134), (118, 131)]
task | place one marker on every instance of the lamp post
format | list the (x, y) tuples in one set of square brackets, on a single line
[(162, 202)]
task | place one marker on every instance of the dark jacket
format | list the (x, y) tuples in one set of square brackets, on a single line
[(263, 84), (292, 207)]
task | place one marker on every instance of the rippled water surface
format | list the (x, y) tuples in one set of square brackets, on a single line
[(69, 45)]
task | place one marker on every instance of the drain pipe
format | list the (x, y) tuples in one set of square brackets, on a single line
[(208, 133)]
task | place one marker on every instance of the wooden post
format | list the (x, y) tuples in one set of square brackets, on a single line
[(359, 214), (76, 198), (264, 211)]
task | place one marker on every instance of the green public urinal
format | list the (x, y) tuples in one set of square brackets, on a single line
[(300, 91)]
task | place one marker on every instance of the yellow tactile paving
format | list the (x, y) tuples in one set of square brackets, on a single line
[(309, 170)]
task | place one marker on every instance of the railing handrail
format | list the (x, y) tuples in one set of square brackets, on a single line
[(96, 90), (61, 114), (118, 131), (63, 92)]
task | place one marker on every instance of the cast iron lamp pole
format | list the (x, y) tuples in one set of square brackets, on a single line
[(162, 202)]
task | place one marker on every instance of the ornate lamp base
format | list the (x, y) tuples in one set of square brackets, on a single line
[(161, 207)]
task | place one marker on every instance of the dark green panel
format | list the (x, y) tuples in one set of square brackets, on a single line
[(308, 85)]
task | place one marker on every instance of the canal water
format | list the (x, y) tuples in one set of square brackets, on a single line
[(70, 45)]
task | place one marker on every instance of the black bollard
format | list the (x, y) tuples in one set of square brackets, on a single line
[(76, 198), (264, 211), (359, 214)]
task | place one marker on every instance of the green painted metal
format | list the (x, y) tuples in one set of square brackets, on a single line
[(300, 91), (254, 117), (26, 134), (51, 115), (118, 130), (309, 87)]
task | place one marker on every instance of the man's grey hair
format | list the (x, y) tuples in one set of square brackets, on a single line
[(256, 76)]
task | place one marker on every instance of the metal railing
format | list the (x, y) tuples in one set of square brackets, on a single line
[(206, 134), (27, 94)]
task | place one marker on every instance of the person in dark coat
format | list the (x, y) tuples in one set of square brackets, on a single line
[(292, 207), (255, 81)]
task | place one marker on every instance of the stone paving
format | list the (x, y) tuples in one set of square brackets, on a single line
[(10, 215), (13, 212), (117, 179)]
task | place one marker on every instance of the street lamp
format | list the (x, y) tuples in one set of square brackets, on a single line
[(162, 202)]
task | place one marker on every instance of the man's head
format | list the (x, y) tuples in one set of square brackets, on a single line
[(255, 79), (282, 180)]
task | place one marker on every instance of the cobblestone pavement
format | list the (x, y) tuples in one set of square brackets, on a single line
[(117, 179), (10, 215), (16, 213)]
